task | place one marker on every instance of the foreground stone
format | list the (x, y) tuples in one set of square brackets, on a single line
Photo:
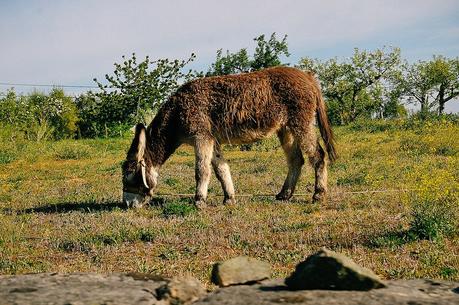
[(181, 290), (94, 289), (80, 288), (332, 271), (240, 270), (275, 292)]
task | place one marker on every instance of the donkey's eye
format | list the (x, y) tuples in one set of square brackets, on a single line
[(130, 166)]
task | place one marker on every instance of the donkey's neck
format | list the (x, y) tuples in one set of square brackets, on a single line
[(162, 138)]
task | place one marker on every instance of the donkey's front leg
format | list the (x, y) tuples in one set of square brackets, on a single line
[(203, 150), (222, 171)]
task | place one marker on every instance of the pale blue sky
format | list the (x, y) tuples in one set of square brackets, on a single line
[(71, 42)]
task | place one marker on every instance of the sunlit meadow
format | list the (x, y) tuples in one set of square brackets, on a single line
[(392, 207)]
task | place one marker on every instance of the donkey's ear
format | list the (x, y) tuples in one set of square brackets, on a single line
[(139, 143)]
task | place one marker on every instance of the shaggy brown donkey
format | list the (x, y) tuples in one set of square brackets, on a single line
[(244, 108)]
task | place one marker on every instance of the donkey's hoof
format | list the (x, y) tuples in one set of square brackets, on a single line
[(229, 201), (200, 204), (284, 196), (319, 198)]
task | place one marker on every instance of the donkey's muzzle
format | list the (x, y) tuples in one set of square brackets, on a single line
[(134, 200)]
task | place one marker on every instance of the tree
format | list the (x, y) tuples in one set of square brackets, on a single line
[(267, 54), (231, 63), (431, 83), (136, 90), (358, 86), (417, 85), (447, 79), (445, 76)]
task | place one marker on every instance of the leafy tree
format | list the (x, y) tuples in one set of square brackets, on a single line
[(136, 89), (446, 75), (231, 63), (359, 86), (417, 85), (431, 84), (267, 54)]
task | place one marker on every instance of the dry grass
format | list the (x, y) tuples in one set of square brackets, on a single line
[(60, 209)]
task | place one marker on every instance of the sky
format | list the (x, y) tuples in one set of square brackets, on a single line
[(71, 42)]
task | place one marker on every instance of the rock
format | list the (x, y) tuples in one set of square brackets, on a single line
[(181, 290), (79, 288), (240, 270), (332, 271), (399, 292), (84, 288)]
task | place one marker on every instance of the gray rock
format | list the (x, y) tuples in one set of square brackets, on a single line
[(181, 290), (400, 292), (80, 288), (240, 270), (330, 270)]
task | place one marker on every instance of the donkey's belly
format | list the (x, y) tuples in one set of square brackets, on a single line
[(241, 135)]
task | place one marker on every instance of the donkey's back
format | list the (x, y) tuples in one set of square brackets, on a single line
[(247, 107)]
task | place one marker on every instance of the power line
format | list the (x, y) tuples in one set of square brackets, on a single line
[(46, 85)]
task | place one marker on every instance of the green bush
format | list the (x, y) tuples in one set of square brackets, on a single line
[(38, 116)]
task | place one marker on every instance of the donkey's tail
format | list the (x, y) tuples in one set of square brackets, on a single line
[(325, 129)]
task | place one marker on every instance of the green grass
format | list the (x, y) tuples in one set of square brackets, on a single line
[(178, 207), (63, 151), (6, 157), (61, 210), (434, 218)]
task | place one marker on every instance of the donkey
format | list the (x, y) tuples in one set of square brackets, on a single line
[(236, 109)]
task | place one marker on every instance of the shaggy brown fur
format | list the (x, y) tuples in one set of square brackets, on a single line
[(237, 109)]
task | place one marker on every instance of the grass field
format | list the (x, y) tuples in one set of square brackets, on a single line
[(60, 208)]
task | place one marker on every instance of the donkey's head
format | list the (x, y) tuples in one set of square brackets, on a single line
[(139, 175)]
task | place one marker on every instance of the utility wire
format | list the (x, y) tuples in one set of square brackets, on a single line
[(333, 194), (45, 85)]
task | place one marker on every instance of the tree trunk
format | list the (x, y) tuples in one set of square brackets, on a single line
[(441, 100)]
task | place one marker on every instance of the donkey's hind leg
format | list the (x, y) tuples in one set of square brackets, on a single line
[(295, 161), (312, 148), (203, 147), (317, 160), (222, 171)]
